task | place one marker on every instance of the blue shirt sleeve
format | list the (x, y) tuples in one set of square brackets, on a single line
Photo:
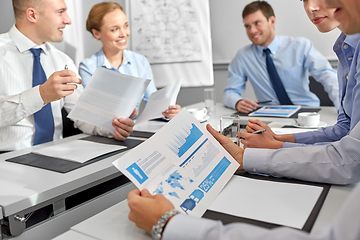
[(327, 134), (86, 70), (236, 83)]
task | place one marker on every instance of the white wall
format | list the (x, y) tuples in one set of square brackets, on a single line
[(6, 16)]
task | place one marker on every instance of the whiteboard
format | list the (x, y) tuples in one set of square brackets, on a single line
[(228, 33), (167, 32), (196, 72)]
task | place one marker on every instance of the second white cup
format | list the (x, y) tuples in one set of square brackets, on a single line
[(308, 119), (198, 113)]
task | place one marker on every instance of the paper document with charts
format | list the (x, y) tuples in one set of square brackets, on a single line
[(182, 161)]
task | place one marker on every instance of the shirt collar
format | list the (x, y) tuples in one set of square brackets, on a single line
[(102, 60), (352, 40), (23, 43), (273, 46)]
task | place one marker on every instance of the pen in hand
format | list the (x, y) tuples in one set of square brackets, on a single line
[(259, 131), (256, 132), (269, 101)]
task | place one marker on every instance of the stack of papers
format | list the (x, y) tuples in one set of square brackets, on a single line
[(279, 203), (78, 150), (291, 130)]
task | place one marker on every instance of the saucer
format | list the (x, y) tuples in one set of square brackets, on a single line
[(320, 125), (207, 117)]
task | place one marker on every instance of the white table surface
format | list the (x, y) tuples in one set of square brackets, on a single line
[(112, 224), (25, 186), (73, 235)]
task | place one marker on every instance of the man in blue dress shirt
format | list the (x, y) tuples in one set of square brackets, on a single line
[(294, 59)]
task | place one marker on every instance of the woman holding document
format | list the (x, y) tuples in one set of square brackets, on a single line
[(108, 23)]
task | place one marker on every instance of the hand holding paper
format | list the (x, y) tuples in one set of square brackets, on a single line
[(235, 151), (146, 209), (123, 127), (171, 111), (108, 95), (161, 100), (183, 162)]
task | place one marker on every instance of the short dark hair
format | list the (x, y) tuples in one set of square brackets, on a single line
[(20, 6), (265, 8)]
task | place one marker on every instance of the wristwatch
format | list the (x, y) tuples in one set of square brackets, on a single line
[(158, 228)]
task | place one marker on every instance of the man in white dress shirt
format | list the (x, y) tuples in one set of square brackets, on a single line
[(37, 23)]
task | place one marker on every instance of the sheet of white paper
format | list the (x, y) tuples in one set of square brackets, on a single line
[(159, 101), (78, 150), (108, 95), (113, 224), (183, 162), (291, 130), (276, 111), (274, 202)]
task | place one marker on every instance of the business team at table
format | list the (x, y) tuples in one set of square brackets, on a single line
[(32, 96)]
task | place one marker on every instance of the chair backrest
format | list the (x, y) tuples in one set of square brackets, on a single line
[(68, 125), (318, 89)]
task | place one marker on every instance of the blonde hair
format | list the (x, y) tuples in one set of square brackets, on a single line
[(97, 13)]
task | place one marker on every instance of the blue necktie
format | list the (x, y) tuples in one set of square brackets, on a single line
[(44, 120), (276, 81)]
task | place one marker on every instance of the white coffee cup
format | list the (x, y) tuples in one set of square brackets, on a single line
[(198, 113), (308, 119)]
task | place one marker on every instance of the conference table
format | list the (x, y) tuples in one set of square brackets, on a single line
[(112, 223)]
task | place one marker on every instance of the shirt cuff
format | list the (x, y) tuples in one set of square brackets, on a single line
[(302, 137), (255, 160), (290, 145), (32, 100), (230, 101), (194, 227)]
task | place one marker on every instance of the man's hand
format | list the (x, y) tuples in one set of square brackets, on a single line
[(123, 127), (274, 142), (171, 111), (255, 124), (246, 105), (146, 209), (234, 150), (266, 139), (262, 140), (57, 87)]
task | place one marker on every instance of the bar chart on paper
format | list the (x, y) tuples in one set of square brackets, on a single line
[(185, 139)]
